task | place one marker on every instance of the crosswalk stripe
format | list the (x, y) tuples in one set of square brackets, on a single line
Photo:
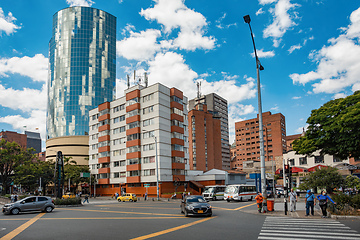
[(308, 236), (284, 228), (345, 229), (314, 233)]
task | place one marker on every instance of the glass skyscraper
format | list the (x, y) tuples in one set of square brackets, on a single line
[(82, 60)]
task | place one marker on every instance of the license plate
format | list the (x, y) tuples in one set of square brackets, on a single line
[(200, 211)]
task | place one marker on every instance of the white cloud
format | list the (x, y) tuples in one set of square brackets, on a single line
[(340, 95), (259, 12), (173, 14), (7, 23), (36, 119), (275, 108), (139, 46), (296, 97), (283, 20), (338, 64), (263, 54), (302, 129), (294, 47), (34, 67), (25, 100), (220, 25), (263, 2), (84, 3)]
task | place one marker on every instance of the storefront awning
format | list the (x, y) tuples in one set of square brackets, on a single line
[(319, 166)]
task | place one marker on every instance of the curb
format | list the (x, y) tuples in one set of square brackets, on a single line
[(345, 217), (65, 206)]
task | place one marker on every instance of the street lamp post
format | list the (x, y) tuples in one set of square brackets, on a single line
[(259, 68)]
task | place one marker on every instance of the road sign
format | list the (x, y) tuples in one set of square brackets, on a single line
[(146, 184), (85, 174)]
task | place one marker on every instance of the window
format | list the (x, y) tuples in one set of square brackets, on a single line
[(149, 172), (133, 149), (303, 160), (133, 125), (148, 110), (119, 130), (104, 133), (148, 159), (177, 135), (116, 164), (134, 173), (178, 159), (132, 101), (104, 154), (319, 159), (336, 159), (148, 122), (133, 136), (292, 162), (133, 113), (116, 175), (177, 99), (119, 141), (148, 97), (177, 123), (119, 152), (119, 108), (148, 134), (149, 147), (104, 144), (103, 112), (105, 122), (177, 111), (119, 119), (94, 117), (122, 174), (133, 161), (177, 147), (122, 163)]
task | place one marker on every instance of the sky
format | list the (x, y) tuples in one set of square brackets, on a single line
[(309, 49)]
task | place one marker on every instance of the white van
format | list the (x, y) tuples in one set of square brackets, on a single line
[(240, 192), (214, 192)]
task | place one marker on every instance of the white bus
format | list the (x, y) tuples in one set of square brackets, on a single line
[(214, 192), (240, 192)]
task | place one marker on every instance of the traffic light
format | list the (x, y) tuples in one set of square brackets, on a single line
[(287, 169)]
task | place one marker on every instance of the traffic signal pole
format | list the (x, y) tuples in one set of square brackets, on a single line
[(285, 188)]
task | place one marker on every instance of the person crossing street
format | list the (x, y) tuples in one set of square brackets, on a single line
[(259, 200)]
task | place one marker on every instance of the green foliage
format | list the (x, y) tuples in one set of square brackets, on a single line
[(346, 204), (68, 201), (328, 178), (333, 129), (29, 173), (352, 182), (72, 171), (12, 155)]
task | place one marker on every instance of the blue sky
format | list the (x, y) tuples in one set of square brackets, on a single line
[(309, 48)]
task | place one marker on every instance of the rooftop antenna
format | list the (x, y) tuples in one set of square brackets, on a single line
[(128, 80), (146, 79), (198, 84)]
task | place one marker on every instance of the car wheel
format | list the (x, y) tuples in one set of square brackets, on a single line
[(131, 200), (15, 211), (119, 200), (48, 209), (250, 199), (227, 200), (240, 199), (135, 200), (186, 213), (209, 215), (214, 198)]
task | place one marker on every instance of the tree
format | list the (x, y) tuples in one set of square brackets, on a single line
[(72, 171), (328, 178), (29, 173), (11, 156), (333, 129), (352, 181)]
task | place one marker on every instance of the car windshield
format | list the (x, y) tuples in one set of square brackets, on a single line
[(193, 200), (209, 190)]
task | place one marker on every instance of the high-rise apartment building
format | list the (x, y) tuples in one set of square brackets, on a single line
[(132, 134), (217, 106), (248, 142), (82, 61), (33, 141), (204, 139)]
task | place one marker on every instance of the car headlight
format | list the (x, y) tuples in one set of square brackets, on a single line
[(209, 207), (190, 207)]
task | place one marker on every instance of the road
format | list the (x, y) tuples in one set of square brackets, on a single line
[(162, 220)]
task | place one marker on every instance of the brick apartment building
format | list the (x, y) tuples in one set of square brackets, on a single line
[(10, 136), (204, 139), (248, 143), (126, 134)]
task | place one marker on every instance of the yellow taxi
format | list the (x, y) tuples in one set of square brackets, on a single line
[(68, 195), (131, 197)]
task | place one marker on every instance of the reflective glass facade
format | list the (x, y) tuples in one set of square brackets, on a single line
[(82, 60)]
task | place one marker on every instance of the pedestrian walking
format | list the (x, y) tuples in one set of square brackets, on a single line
[(310, 202), (145, 197), (86, 199), (293, 197), (259, 200), (15, 197), (323, 200)]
